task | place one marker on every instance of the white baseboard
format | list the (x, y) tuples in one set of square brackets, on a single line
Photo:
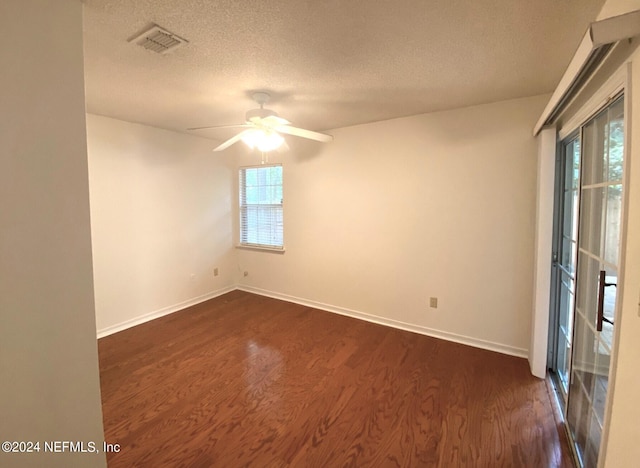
[(462, 339), (162, 312)]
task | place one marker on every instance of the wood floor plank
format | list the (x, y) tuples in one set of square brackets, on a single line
[(245, 380)]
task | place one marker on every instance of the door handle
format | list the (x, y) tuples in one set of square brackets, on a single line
[(602, 283)]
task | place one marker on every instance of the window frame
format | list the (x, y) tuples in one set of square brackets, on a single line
[(241, 208)]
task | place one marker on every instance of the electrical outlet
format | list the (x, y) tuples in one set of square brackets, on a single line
[(215, 272), (433, 302)]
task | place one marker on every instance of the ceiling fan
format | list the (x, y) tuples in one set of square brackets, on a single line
[(263, 129)]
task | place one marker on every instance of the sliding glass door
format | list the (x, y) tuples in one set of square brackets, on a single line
[(565, 262), (586, 273)]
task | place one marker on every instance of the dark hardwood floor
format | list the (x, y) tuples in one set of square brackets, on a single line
[(244, 380)]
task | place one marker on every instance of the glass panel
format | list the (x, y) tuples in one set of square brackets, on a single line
[(568, 165), (576, 400), (587, 287), (574, 216), (582, 288), (566, 305), (582, 384), (569, 225), (591, 219), (564, 355), (599, 238), (568, 259), (596, 144), (579, 414), (585, 218), (584, 354), (601, 149), (575, 165), (263, 185), (588, 142), (612, 227), (603, 361), (569, 203), (616, 141), (590, 459)]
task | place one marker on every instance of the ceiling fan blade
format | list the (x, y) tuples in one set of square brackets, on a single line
[(283, 148), (274, 120), (301, 132), (231, 141), (221, 126)]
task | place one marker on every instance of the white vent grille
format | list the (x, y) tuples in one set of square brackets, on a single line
[(158, 40)]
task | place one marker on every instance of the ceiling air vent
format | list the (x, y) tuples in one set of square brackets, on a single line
[(158, 40)]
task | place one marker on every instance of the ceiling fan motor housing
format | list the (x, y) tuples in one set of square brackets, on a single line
[(254, 115)]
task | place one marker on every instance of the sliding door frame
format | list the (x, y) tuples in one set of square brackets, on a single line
[(556, 273), (618, 83)]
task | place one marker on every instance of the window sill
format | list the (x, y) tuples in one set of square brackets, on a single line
[(278, 250)]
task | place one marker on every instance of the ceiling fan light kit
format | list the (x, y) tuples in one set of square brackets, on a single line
[(263, 140), (264, 129)]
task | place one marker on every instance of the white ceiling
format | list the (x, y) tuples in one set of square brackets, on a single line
[(327, 63)]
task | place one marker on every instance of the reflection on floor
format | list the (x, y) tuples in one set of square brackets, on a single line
[(244, 380)]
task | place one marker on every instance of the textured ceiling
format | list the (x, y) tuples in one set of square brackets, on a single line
[(327, 63)]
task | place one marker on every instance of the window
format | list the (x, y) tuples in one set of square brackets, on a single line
[(261, 207)]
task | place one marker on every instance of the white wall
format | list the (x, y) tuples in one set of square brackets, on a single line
[(394, 212), (49, 386), (160, 212)]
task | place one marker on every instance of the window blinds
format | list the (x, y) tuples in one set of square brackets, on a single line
[(261, 206)]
